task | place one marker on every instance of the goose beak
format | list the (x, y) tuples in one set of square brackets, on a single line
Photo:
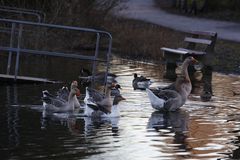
[(194, 61), (78, 93), (121, 98)]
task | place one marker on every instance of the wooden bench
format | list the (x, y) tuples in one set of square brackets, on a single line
[(199, 44)]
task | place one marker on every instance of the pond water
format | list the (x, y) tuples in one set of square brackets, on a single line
[(200, 130)]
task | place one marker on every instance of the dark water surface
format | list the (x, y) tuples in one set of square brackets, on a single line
[(200, 130)]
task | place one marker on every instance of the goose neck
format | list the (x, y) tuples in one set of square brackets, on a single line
[(185, 71)]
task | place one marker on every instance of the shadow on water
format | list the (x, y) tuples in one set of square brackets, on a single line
[(199, 130)]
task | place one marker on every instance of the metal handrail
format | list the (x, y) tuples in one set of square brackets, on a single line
[(50, 53), (28, 11), (22, 12), (56, 26), (55, 54)]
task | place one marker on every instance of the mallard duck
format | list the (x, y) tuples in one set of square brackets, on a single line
[(140, 82), (60, 104), (174, 96), (206, 96), (98, 104), (115, 90)]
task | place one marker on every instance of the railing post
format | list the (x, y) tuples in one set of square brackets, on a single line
[(18, 51), (11, 45), (108, 57), (95, 57)]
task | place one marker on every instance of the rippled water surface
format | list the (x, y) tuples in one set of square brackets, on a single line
[(200, 130)]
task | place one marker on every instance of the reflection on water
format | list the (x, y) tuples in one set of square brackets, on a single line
[(171, 122), (199, 130)]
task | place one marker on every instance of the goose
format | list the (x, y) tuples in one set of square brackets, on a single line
[(95, 101), (174, 96), (86, 77), (206, 96), (140, 82), (98, 105), (53, 103), (63, 93)]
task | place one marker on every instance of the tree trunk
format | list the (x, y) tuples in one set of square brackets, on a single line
[(185, 6), (204, 6), (194, 7)]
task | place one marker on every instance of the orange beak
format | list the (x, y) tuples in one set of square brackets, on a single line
[(78, 93)]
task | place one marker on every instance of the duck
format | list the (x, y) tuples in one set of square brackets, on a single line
[(140, 82), (174, 96), (206, 96), (115, 110), (100, 105), (53, 103), (87, 77), (115, 90)]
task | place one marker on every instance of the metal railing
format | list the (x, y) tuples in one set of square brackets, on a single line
[(17, 30), (39, 15)]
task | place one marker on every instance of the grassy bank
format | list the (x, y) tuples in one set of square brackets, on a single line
[(139, 40), (132, 39)]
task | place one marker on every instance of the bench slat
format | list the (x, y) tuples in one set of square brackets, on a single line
[(173, 50), (204, 33), (197, 40), (194, 52)]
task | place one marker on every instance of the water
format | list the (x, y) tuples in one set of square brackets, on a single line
[(200, 130)]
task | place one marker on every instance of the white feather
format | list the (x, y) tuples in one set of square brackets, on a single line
[(155, 101)]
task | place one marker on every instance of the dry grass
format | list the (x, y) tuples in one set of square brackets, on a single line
[(139, 40)]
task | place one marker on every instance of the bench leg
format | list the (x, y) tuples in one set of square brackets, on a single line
[(170, 71), (207, 83)]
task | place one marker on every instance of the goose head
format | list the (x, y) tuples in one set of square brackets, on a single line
[(190, 60), (117, 99), (206, 96), (74, 89)]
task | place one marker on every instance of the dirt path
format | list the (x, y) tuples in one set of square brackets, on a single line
[(145, 10)]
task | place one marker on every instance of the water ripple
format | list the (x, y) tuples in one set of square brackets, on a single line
[(199, 130)]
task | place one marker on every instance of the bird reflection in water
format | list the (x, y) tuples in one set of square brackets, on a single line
[(80, 124), (92, 124), (176, 122), (13, 115)]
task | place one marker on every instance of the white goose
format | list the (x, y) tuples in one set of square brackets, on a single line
[(174, 96), (56, 104)]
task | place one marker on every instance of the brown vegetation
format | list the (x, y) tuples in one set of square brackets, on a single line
[(142, 41), (133, 39)]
